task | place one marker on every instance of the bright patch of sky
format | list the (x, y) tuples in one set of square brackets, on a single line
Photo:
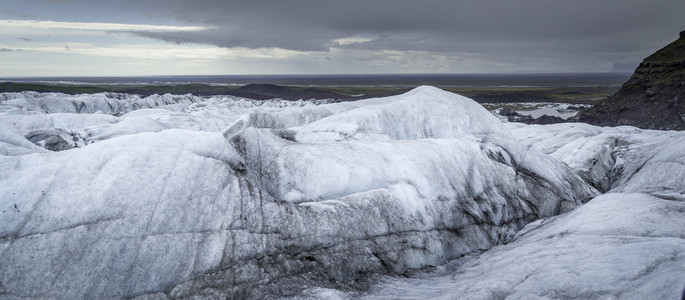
[(48, 48)]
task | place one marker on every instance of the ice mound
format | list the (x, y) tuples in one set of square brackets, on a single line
[(422, 113), (444, 145)]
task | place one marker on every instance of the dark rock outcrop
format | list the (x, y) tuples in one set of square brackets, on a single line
[(512, 97), (513, 116), (653, 97), (545, 119)]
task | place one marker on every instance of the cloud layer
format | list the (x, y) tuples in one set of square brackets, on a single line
[(354, 36), (431, 25)]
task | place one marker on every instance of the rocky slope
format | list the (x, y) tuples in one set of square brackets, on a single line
[(653, 98)]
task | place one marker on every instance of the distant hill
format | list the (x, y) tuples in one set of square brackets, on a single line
[(252, 91), (653, 97), (262, 91)]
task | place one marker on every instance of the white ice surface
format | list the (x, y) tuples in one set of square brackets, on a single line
[(114, 217), (164, 193)]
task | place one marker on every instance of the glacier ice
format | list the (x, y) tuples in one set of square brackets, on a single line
[(614, 247), (173, 196), (616, 159)]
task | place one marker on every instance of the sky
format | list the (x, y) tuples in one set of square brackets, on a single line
[(224, 37)]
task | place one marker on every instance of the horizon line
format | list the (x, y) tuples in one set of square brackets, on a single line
[(319, 74)]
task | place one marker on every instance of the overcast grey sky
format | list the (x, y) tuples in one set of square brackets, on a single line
[(155, 37)]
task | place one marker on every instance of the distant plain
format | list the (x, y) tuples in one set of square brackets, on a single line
[(574, 88)]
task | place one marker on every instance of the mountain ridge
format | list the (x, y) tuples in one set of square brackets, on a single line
[(653, 96)]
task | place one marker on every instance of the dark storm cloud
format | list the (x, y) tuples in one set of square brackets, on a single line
[(430, 25)]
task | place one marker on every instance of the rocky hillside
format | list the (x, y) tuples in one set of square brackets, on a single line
[(653, 98)]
